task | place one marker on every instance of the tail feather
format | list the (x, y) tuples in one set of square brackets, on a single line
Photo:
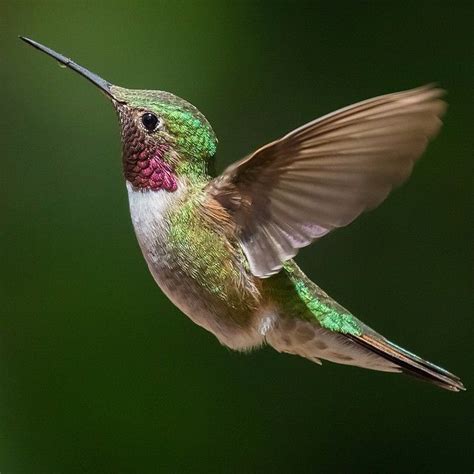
[(408, 363), (369, 350), (309, 323)]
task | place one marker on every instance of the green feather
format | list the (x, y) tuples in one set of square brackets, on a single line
[(329, 314)]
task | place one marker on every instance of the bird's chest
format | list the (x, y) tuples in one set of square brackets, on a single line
[(192, 262), (196, 266), (150, 211)]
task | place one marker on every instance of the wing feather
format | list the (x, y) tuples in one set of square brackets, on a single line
[(324, 174)]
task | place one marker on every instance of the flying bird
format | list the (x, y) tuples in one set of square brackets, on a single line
[(221, 248)]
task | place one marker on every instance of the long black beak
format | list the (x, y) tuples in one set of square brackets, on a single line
[(90, 76)]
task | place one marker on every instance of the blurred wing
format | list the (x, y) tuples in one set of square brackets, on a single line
[(324, 174)]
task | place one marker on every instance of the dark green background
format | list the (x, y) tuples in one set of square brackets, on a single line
[(99, 373)]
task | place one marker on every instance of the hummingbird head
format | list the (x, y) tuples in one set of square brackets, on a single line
[(164, 138)]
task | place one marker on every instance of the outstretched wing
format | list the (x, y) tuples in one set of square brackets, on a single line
[(324, 174)]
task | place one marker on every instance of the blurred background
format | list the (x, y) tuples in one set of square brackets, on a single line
[(99, 372)]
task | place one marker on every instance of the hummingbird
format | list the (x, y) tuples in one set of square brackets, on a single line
[(221, 248)]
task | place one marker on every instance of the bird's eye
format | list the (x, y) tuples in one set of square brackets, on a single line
[(150, 121)]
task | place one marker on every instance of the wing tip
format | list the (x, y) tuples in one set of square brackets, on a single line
[(409, 363)]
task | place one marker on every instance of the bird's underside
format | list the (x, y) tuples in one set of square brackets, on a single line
[(293, 315)]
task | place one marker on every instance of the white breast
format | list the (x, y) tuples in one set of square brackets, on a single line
[(149, 210)]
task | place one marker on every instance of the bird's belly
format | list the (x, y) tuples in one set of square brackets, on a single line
[(235, 325)]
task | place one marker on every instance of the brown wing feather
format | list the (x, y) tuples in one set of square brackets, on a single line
[(324, 174), (407, 362)]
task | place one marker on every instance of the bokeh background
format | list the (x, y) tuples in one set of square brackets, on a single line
[(99, 372)]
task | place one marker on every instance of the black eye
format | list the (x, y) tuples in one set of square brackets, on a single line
[(150, 121)]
